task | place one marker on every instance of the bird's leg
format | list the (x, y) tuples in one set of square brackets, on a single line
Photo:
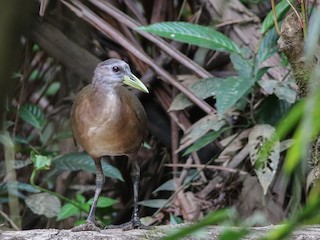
[(135, 176), (90, 224), (135, 222)]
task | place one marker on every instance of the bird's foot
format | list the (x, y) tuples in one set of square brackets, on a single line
[(88, 226), (135, 223)]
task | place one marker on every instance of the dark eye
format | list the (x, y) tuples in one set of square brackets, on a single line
[(115, 69)]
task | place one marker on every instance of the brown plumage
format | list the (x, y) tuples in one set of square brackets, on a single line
[(108, 120)]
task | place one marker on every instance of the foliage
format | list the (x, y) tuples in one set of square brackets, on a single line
[(254, 122)]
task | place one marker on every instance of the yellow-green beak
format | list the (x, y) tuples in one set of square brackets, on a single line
[(132, 81)]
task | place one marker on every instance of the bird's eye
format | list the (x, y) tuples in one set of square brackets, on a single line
[(115, 69)]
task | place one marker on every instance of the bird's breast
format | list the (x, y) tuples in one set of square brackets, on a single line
[(108, 123)]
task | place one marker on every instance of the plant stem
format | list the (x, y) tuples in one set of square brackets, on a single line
[(32, 178), (304, 18), (11, 178), (275, 17)]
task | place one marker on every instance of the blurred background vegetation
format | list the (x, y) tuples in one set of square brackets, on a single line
[(220, 91)]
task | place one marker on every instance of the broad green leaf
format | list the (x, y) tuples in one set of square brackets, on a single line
[(175, 220), (198, 35), (200, 128), (47, 133), (230, 91), (27, 187), (44, 204), (244, 67), (22, 140), (63, 135), (268, 46), (203, 141), (279, 109), (154, 203), (4, 188), (167, 186), (266, 170), (33, 115), (104, 202), (68, 210), (80, 198), (281, 8), (53, 89), (82, 161), (282, 90), (261, 71), (203, 89)]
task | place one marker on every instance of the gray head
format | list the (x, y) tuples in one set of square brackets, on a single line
[(114, 72)]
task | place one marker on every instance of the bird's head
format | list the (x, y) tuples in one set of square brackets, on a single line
[(115, 71)]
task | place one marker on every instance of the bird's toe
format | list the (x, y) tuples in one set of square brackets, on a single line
[(133, 224), (88, 226)]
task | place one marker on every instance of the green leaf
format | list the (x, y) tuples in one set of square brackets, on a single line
[(175, 220), (230, 91), (33, 115), (154, 203), (279, 109), (281, 8), (40, 162), (80, 198), (268, 46), (27, 187), (244, 67), (68, 210), (82, 161), (167, 186), (261, 71), (282, 90), (267, 169), (203, 141), (53, 89), (198, 35), (19, 185), (104, 202), (200, 128), (203, 89)]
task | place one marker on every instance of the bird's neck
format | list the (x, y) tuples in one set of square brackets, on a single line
[(99, 85), (107, 95)]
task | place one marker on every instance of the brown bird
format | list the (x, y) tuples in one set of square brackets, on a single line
[(108, 120)]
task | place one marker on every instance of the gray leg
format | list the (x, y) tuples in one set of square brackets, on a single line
[(99, 185), (90, 224), (135, 220), (135, 176)]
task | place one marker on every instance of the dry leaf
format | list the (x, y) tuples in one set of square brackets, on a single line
[(259, 135), (44, 204)]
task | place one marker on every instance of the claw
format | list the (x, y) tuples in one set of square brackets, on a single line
[(88, 226), (133, 224)]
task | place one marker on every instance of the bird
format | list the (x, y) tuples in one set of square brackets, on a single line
[(109, 120)]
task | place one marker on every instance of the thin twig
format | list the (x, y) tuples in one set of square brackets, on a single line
[(237, 21), (6, 217), (207, 167)]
